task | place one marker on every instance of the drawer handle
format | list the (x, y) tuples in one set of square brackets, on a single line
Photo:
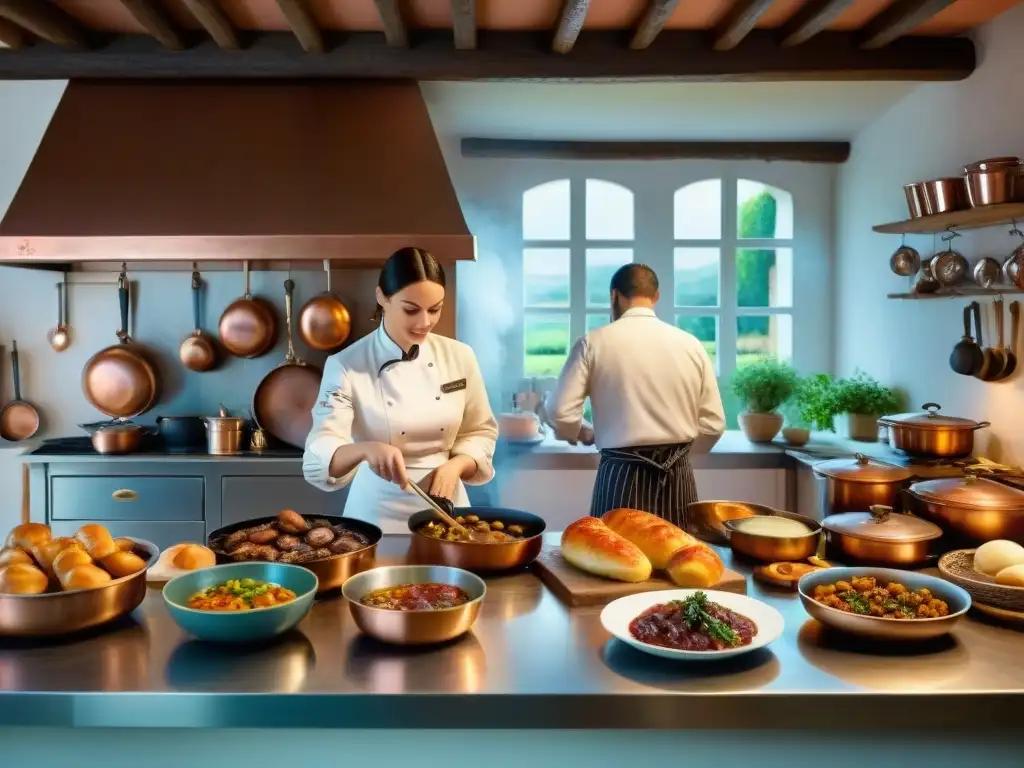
[(125, 494)]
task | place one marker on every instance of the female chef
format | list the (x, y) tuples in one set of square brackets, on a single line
[(408, 404)]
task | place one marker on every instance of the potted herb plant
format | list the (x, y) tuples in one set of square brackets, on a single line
[(811, 407), (862, 399), (762, 387)]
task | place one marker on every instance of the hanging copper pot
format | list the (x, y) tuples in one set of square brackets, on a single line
[(248, 328), (324, 321)]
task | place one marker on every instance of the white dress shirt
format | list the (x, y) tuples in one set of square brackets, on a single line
[(430, 408), (649, 383)]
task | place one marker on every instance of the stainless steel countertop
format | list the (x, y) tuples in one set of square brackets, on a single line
[(530, 662)]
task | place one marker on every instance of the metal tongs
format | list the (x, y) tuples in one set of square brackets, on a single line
[(464, 532)]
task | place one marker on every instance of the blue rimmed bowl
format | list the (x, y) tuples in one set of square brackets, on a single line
[(241, 626)]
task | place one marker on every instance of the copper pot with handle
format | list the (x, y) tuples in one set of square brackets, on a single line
[(971, 509), (324, 320), (929, 434), (247, 328), (880, 537), (857, 484)]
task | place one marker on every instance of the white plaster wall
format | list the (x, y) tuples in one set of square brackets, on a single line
[(933, 132)]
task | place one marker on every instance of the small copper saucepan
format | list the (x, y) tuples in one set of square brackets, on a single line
[(197, 351), (115, 437), (19, 419)]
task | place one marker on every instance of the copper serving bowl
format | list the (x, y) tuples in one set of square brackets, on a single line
[(62, 613), (775, 549), (332, 571), (414, 627), (477, 557), (706, 519)]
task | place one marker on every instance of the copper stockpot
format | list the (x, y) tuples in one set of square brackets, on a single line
[(944, 195), (61, 613), (116, 437), (332, 571), (929, 434), (414, 627), (774, 549), (851, 485), (971, 509), (474, 556), (224, 434), (992, 181), (880, 537)]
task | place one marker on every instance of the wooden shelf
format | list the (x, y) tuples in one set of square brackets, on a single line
[(971, 218), (965, 292)]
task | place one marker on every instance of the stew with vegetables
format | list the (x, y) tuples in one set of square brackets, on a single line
[(864, 595), (416, 597), (240, 595)]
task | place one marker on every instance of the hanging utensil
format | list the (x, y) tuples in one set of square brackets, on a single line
[(986, 372), (19, 420), (247, 327), (1011, 351), (283, 401), (905, 261), (197, 351), (926, 282), (966, 356), (324, 321), (999, 352), (120, 381), (59, 337), (986, 272)]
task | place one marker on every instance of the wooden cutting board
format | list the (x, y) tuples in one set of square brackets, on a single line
[(577, 588)]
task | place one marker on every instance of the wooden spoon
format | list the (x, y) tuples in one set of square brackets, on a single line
[(966, 356), (1011, 351)]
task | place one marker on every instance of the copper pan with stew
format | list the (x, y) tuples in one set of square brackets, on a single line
[(283, 402), (476, 556)]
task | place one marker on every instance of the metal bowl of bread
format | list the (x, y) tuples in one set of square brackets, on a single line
[(779, 537), (334, 548), (55, 585), (503, 539)]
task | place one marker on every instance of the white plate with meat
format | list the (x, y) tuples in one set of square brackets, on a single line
[(692, 624)]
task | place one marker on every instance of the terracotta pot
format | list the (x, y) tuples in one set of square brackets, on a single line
[(796, 436), (862, 426), (760, 427)]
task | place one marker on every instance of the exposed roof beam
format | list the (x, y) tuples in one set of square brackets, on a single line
[(464, 24), (898, 19), (45, 21), (303, 24), (599, 55), (570, 24), (812, 18), (156, 22), (395, 31), (738, 22), (651, 23), (211, 17), (12, 36)]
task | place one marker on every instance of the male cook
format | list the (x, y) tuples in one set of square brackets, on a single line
[(654, 399)]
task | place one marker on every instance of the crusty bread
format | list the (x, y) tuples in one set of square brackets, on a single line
[(28, 535), (69, 559), (122, 564), (85, 577), (96, 540), (22, 579), (47, 552), (656, 538), (697, 565), (593, 547)]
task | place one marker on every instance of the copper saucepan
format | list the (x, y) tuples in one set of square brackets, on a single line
[(120, 381), (19, 419), (324, 321), (197, 352), (930, 434), (247, 327)]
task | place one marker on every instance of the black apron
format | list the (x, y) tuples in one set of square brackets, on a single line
[(655, 478)]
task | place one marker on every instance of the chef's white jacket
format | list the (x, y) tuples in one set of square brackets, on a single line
[(430, 408)]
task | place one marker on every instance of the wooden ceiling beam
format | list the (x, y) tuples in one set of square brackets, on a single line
[(156, 23), (46, 21), (813, 17), (651, 23), (464, 24), (300, 19), (396, 33), (12, 36), (679, 55), (738, 22), (212, 18), (570, 24), (898, 19)]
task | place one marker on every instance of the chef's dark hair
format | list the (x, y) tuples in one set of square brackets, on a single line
[(635, 281), (405, 267)]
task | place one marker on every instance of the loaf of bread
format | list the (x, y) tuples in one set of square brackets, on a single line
[(22, 579), (656, 538), (593, 547), (697, 565), (97, 541)]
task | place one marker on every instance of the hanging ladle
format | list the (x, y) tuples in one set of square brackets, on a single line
[(60, 338)]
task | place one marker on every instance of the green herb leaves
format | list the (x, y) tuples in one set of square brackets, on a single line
[(696, 615)]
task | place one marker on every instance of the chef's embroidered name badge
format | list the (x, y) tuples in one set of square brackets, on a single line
[(453, 386)]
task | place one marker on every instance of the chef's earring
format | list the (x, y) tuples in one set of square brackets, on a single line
[(378, 315)]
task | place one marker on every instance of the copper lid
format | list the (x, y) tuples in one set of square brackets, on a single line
[(881, 524), (970, 492), (992, 164), (928, 418), (861, 469)]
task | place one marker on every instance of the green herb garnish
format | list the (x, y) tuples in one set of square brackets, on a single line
[(696, 615), (856, 601)]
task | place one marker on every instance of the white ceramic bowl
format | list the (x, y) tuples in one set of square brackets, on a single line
[(617, 615)]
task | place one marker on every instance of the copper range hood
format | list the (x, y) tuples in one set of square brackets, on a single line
[(133, 171)]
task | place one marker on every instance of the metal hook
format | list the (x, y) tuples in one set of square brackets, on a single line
[(1014, 230), (952, 235)]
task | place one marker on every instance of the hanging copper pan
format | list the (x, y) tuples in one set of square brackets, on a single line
[(247, 327), (197, 352), (324, 321), (119, 380), (283, 402)]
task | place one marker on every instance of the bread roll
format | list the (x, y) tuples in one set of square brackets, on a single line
[(656, 538), (192, 557), (993, 556), (11, 555), (22, 579), (68, 559), (593, 547), (46, 553), (1011, 576), (85, 577), (122, 564), (695, 566), (124, 544), (97, 540), (28, 535)]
